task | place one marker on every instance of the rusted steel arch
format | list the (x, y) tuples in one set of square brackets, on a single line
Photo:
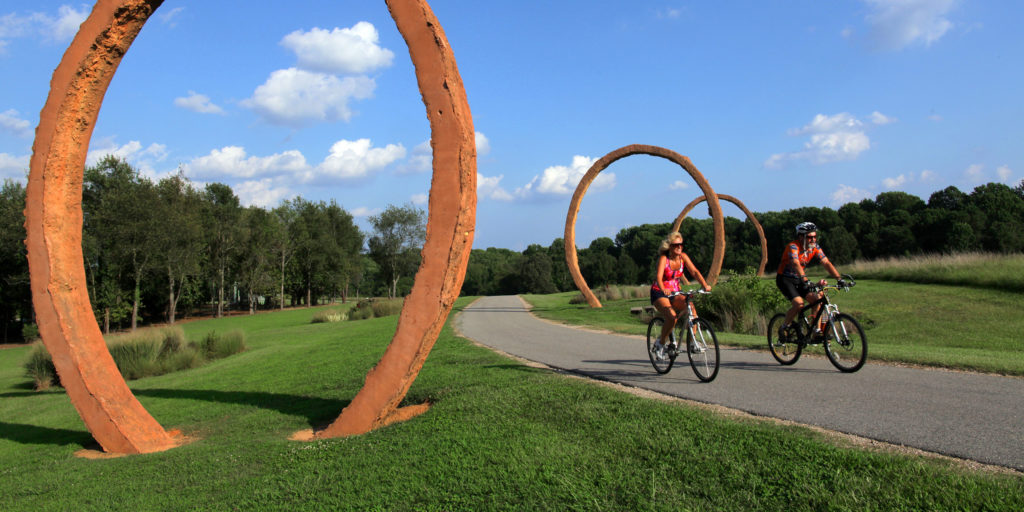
[(600, 165), (54, 228), (750, 216)]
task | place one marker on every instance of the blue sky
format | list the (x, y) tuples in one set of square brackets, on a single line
[(781, 104)]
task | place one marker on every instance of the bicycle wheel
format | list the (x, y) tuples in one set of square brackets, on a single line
[(845, 344), (702, 349), (653, 332), (785, 350)]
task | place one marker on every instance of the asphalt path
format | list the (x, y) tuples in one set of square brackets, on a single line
[(960, 414)]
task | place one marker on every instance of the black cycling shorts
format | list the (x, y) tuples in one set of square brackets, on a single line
[(792, 287), (656, 294)]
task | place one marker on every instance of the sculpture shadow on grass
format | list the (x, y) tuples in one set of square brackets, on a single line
[(318, 411), (34, 434)]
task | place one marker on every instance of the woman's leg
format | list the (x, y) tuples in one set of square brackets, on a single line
[(665, 308)]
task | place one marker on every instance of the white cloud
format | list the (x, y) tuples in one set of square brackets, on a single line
[(422, 155), (896, 24), (51, 28), (935, 117), (490, 187), (892, 183), (679, 185), (66, 25), (131, 152), (832, 139), (170, 17), (294, 97), (928, 176), (420, 158), (847, 194), (10, 122), (263, 193), (363, 211), (880, 118), (419, 199), (1004, 173), (234, 162), (975, 173), (14, 167), (342, 50), (560, 180), (198, 103), (355, 159), (483, 146)]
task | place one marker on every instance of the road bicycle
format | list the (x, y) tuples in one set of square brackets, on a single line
[(842, 337), (701, 342)]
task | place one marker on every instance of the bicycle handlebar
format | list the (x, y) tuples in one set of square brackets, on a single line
[(688, 293), (845, 283)]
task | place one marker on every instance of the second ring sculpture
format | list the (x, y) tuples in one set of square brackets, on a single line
[(600, 165), (750, 216)]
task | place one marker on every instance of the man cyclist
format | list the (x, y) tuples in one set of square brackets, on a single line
[(792, 280)]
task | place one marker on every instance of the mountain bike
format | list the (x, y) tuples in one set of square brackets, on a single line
[(701, 342), (842, 337)]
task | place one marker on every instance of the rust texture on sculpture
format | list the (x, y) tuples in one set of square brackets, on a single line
[(750, 216), (600, 165), (450, 225), (54, 225), (53, 221)]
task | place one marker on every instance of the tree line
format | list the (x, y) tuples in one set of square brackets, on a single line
[(989, 218), (156, 251)]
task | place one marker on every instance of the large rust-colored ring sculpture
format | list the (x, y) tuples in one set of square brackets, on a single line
[(54, 224), (600, 165), (750, 216)]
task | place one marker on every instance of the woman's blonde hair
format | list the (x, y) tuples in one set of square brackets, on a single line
[(668, 241)]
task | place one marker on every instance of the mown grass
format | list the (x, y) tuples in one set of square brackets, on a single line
[(499, 435), (980, 270), (970, 328)]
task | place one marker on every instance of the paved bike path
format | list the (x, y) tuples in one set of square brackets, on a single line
[(965, 415)]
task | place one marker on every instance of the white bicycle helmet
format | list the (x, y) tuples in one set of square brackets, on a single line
[(805, 227)]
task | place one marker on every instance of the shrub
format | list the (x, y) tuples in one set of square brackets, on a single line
[(137, 358), (30, 332), (216, 346), (374, 308), (40, 369), (615, 292), (145, 354), (742, 304), (329, 315)]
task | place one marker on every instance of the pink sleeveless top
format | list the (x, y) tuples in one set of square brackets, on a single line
[(670, 278)]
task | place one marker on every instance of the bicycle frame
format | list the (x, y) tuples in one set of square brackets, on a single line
[(829, 308)]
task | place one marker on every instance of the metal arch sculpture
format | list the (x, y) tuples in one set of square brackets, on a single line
[(750, 216), (53, 222), (600, 165)]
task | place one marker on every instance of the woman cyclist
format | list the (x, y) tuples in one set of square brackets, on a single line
[(791, 279), (671, 263)]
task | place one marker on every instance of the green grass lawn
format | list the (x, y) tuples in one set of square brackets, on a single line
[(499, 435), (939, 325)]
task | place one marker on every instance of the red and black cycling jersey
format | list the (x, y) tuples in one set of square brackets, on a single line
[(794, 260)]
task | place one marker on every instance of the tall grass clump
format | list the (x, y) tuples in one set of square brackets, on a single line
[(329, 316), (375, 308), (216, 346), (742, 304), (610, 292), (39, 367), (144, 354), (976, 269)]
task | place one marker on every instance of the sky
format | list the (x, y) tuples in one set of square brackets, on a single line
[(779, 104)]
